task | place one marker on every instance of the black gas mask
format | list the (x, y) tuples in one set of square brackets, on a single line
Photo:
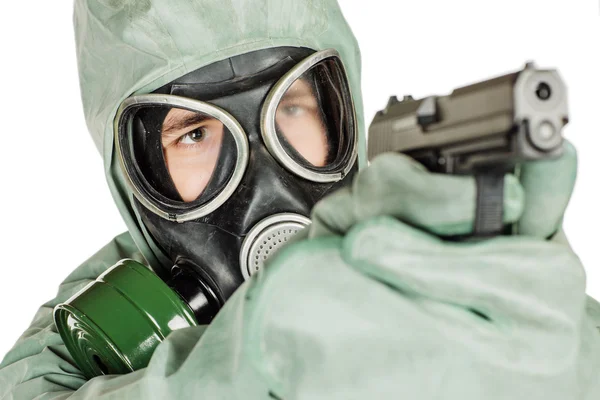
[(227, 162)]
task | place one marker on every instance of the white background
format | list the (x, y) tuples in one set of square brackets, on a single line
[(56, 204)]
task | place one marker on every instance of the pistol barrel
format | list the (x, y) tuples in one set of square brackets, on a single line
[(501, 121)]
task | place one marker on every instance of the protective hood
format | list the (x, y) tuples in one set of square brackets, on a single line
[(127, 47)]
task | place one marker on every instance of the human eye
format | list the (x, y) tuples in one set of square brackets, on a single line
[(194, 136), (293, 110)]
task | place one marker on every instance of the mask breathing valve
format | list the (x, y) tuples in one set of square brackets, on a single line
[(266, 237)]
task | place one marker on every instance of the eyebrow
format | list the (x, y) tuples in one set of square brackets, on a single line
[(303, 90), (296, 95), (182, 123)]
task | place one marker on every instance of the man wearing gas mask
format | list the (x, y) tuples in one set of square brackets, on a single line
[(227, 161), (222, 125)]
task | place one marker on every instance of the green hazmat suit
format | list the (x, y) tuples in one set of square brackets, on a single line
[(369, 303)]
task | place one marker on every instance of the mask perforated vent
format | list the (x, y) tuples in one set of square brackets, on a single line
[(266, 237)]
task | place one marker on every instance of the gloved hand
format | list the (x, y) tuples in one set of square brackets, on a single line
[(397, 186), (375, 305)]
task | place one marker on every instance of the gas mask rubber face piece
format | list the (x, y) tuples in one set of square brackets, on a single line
[(226, 162)]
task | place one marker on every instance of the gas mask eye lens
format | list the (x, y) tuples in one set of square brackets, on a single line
[(183, 157), (308, 119)]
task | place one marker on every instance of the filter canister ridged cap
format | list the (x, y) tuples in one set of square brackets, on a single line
[(266, 237)]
